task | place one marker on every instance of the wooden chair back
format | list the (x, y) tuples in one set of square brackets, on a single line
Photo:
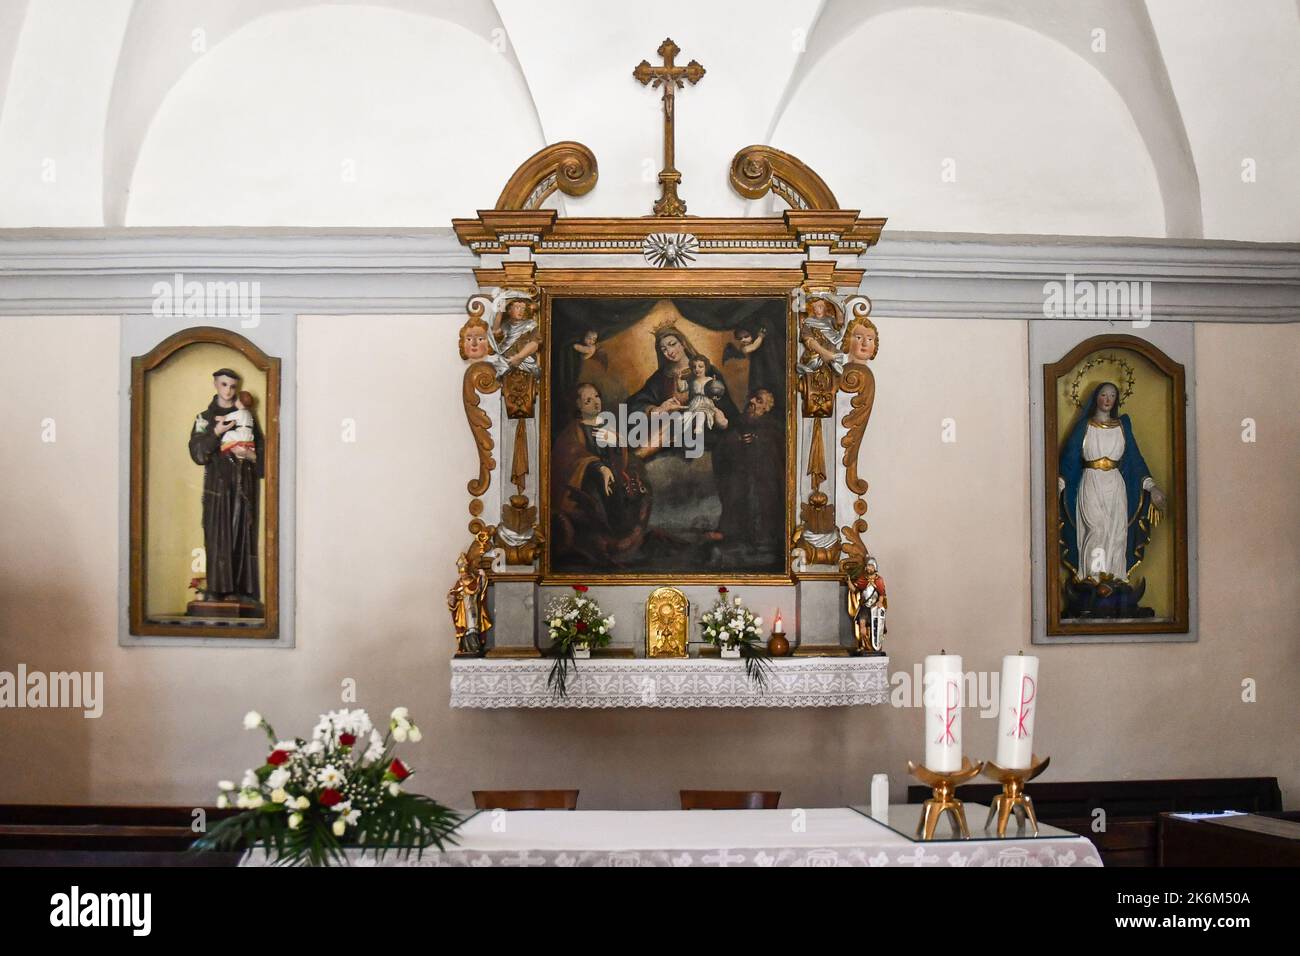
[(526, 799), (730, 799)]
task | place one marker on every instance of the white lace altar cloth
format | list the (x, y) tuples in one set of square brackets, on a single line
[(832, 836), (794, 682)]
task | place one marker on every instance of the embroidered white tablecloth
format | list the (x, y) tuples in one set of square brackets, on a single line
[(794, 682), (833, 836)]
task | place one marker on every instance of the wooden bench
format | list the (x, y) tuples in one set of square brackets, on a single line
[(59, 835)]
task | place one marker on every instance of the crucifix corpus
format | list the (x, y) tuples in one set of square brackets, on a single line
[(670, 77)]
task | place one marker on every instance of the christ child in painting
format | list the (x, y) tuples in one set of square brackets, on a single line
[(703, 389)]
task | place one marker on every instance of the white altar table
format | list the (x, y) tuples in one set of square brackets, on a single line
[(831, 836)]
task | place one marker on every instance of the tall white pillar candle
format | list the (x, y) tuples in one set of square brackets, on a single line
[(943, 700), (1018, 706), (880, 797)]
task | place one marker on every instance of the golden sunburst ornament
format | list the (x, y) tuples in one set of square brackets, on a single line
[(670, 250)]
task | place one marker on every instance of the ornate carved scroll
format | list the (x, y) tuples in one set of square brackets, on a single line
[(859, 380), (757, 170), (568, 166), (860, 344), (817, 390), (855, 550), (480, 379)]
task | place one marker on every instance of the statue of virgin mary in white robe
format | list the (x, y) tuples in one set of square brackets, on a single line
[(1109, 498)]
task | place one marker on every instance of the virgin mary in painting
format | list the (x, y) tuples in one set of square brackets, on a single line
[(1109, 506), (668, 388)]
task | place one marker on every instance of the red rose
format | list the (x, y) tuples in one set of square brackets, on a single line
[(722, 589), (329, 798), (580, 588), (347, 740), (581, 627), (398, 770), (277, 757)]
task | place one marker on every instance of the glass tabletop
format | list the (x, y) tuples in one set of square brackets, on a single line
[(904, 819)]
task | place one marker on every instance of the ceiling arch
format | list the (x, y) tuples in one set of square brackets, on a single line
[(12, 16), (1132, 65), (158, 49)]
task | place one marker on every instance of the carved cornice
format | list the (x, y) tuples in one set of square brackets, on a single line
[(793, 233), (688, 281)]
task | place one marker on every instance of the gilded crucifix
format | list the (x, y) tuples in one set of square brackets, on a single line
[(670, 77)]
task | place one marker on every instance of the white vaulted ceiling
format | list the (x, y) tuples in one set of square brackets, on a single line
[(968, 115)]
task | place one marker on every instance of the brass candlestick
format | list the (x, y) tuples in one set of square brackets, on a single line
[(1013, 798), (945, 784)]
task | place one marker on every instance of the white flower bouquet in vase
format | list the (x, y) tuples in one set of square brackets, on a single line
[(576, 624), (343, 787), (734, 630)]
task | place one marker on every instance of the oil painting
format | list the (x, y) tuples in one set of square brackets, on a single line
[(668, 439)]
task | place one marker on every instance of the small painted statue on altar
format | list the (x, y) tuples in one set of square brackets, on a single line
[(821, 332), (867, 606), (467, 601), (516, 336)]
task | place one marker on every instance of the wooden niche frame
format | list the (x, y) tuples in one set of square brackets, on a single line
[(1175, 517), (269, 418), (525, 250)]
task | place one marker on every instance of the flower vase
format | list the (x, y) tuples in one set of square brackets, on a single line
[(729, 652), (582, 651)]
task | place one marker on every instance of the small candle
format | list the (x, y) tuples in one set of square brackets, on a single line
[(880, 797), (1016, 712), (943, 700), (777, 626)]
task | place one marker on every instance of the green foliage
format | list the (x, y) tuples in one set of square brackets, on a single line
[(758, 663), (557, 682)]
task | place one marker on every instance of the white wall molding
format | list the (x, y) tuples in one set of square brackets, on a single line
[(921, 275)]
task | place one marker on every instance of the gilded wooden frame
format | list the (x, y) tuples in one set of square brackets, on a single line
[(813, 247), (705, 283), (140, 367), (1177, 515)]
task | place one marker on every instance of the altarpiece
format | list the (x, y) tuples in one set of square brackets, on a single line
[(687, 411)]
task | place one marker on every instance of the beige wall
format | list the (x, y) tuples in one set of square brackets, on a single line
[(379, 522)]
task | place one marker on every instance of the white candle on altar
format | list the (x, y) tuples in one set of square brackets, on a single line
[(1019, 704), (943, 699), (880, 798)]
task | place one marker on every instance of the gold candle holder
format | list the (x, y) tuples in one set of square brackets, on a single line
[(1013, 798), (944, 784)]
